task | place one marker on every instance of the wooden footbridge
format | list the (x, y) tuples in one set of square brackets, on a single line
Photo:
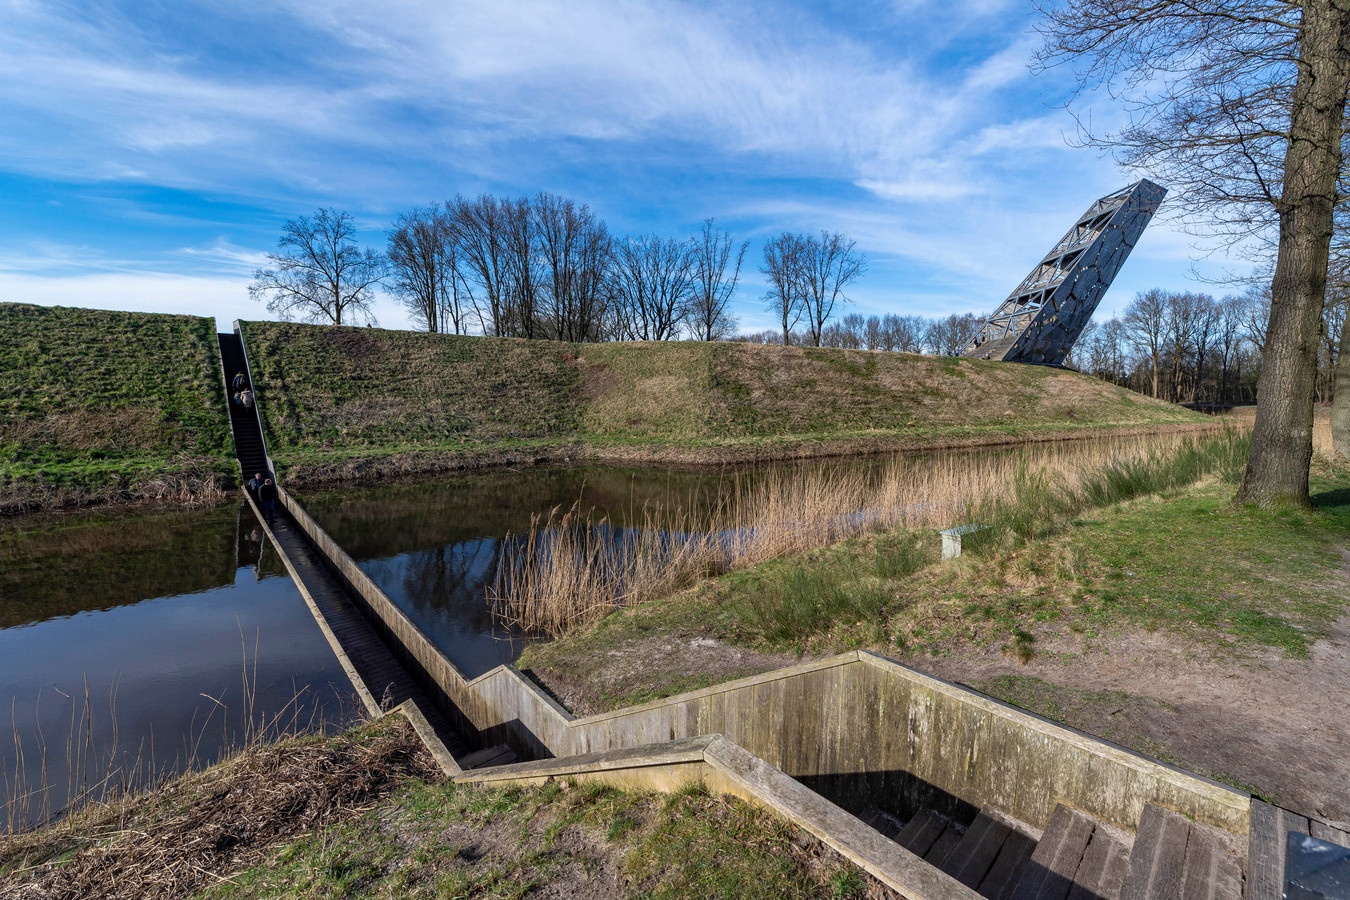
[(934, 789)]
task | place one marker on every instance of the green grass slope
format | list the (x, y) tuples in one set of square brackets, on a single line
[(99, 405), (341, 401)]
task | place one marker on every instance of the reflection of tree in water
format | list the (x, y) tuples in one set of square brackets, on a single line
[(99, 562), (453, 579)]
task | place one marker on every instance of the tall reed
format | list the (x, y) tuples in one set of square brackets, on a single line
[(572, 567)]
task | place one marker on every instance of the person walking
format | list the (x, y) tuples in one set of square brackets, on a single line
[(239, 383), (246, 398), (267, 496), (254, 483)]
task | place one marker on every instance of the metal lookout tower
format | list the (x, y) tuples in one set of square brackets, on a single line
[(1042, 318)]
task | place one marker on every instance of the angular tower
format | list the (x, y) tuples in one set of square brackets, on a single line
[(1039, 321)]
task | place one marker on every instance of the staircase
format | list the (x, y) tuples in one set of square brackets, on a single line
[(1076, 858), (248, 441)]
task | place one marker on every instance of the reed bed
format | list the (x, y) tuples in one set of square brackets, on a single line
[(572, 567)]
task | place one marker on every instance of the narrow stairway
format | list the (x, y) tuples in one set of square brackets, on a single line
[(248, 442), (384, 676), (1076, 858)]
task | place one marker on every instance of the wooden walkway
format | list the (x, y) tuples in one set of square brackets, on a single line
[(379, 679)]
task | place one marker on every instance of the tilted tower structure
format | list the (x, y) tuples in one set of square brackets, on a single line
[(1041, 319)]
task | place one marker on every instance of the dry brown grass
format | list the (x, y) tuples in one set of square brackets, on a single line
[(199, 829), (570, 568)]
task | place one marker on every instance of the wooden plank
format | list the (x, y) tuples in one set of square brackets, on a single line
[(883, 821), (1211, 871), (1049, 874), (1324, 831), (922, 832), (1102, 869), (944, 845), (975, 855), (1013, 857), (1159, 856), (1266, 845)]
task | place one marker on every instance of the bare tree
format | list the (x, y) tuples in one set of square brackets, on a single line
[(872, 334), (906, 333), (576, 250), (712, 257), (318, 272), (480, 234), (828, 265), (1145, 325), (948, 336), (653, 278), (522, 255), (782, 266), (1241, 104), (424, 269)]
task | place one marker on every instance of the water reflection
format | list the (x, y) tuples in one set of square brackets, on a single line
[(156, 618)]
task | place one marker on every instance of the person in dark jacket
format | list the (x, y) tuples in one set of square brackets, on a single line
[(267, 496), (239, 383), (254, 483)]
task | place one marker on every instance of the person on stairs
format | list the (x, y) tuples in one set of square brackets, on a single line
[(267, 496), (254, 483), (246, 398), (239, 383)]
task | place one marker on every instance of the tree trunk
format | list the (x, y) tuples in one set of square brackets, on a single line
[(1277, 470), (1155, 376), (1340, 397)]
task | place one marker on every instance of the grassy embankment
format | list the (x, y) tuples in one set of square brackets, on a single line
[(100, 406), (367, 814), (1153, 545), (352, 401)]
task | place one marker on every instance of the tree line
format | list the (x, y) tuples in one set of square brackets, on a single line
[(547, 267)]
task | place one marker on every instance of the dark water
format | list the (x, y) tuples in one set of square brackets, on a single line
[(161, 616)]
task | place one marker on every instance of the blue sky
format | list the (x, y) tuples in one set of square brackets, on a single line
[(151, 151)]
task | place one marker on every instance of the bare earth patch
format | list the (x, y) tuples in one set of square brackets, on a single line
[(1272, 724)]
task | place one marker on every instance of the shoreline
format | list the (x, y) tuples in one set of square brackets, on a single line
[(391, 467), (364, 470)]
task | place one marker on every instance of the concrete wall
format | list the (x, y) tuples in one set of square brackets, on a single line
[(860, 729)]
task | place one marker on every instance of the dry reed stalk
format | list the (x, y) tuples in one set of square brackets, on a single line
[(570, 569)]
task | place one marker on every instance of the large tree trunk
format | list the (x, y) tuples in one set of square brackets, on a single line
[(1340, 397), (1277, 470)]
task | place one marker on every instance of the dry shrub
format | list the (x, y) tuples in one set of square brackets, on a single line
[(192, 833), (570, 568)]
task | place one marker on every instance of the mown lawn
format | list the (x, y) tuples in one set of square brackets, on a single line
[(95, 405)]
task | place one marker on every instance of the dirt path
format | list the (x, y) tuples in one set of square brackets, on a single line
[(1281, 725)]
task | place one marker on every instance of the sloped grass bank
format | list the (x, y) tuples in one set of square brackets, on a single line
[(1168, 554), (366, 814), (98, 406), (343, 402)]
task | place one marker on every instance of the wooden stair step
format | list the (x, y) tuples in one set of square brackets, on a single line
[(922, 832), (498, 755), (972, 859), (1102, 871), (1013, 858), (1212, 871), (884, 822), (1054, 863), (945, 844), (1158, 860)]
